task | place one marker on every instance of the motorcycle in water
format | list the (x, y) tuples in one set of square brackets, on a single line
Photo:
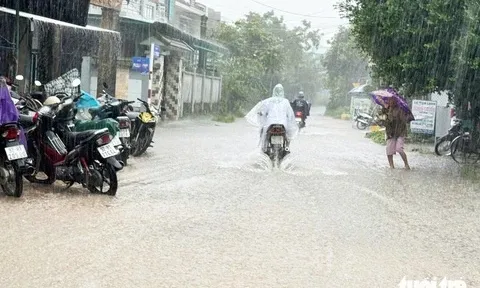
[(115, 109), (442, 147), (76, 121), (12, 151), (299, 118), (86, 157), (143, 129), (276, 140), (12, 160)]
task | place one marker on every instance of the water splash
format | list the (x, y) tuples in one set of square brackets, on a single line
[(254, 162), (287, 163)]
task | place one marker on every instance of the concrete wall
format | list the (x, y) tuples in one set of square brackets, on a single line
[(201, 90), (130, 84)]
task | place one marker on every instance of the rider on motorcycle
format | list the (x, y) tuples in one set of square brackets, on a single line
[(273, 110), (301, 105)]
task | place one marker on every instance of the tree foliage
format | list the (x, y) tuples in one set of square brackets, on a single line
[(264, 52), (409, 41), (466, 85), (344, 64)]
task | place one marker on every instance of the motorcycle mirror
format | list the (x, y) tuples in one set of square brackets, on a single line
[(38, 83), (76, 82), (19, 77), (105, 85)]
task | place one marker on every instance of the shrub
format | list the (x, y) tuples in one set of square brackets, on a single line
[(378, 137), (225, 118), (337, 112)]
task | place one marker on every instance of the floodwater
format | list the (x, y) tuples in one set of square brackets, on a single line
[(202, 209)]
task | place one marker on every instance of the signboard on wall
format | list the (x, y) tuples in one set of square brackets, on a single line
[(141, 64), (424, 113), (112, 4), (156, 50)]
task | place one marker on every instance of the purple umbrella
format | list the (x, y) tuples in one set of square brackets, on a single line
[(381, 97)]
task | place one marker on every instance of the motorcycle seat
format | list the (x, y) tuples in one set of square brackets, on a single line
[(94, 111), (76, 138), (276, 129), (25, 120)]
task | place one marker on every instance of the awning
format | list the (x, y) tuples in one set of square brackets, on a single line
[(53, 21), (361, 89), (172, 31), (150, 40), (206, 49), (178, 44), (167, 42)]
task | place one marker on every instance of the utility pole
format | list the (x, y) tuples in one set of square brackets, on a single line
[(17, 37)]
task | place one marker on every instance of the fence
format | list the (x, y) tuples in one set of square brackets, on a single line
[(200, 92)]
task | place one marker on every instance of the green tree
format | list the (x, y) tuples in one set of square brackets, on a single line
[(409, 41), (344, 64), (264, 52), (467, 61)]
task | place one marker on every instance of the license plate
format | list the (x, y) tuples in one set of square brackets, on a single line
[(116, 141), (124, 133), (16, 152), (298, 119), (108, 150), (276, 140)]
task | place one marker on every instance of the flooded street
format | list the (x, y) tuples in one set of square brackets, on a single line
[(201, 209)]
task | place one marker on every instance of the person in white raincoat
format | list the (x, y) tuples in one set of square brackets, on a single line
[(273, 110)]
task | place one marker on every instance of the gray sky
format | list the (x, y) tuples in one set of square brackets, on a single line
[(322, 13)]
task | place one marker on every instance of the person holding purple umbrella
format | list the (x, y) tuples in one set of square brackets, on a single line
[(396, 130)]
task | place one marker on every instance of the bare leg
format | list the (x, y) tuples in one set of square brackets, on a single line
[(390, 161), (405, 160)]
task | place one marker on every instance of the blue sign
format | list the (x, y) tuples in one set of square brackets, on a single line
[(156, 50), (141, 64)]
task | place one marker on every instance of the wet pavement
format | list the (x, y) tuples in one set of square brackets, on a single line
[(201, 209)]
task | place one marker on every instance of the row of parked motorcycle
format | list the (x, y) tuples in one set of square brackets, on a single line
[(72, 138)]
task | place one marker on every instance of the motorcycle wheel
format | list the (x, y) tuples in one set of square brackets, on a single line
[(124, 157), (143, 141), (14, 185), (442, 147), (109, 176), (361, 126), (49, 172)]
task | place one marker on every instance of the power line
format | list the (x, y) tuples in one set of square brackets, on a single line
[(303, 15)]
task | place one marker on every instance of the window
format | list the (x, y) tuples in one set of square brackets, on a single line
[(149, 12), (185, 23)]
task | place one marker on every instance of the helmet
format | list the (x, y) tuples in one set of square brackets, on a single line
[(51, 101), (301, 94)]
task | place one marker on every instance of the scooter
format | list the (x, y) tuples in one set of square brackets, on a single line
[(276, 144), (364, 120), (299, 118), (86, 157)]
